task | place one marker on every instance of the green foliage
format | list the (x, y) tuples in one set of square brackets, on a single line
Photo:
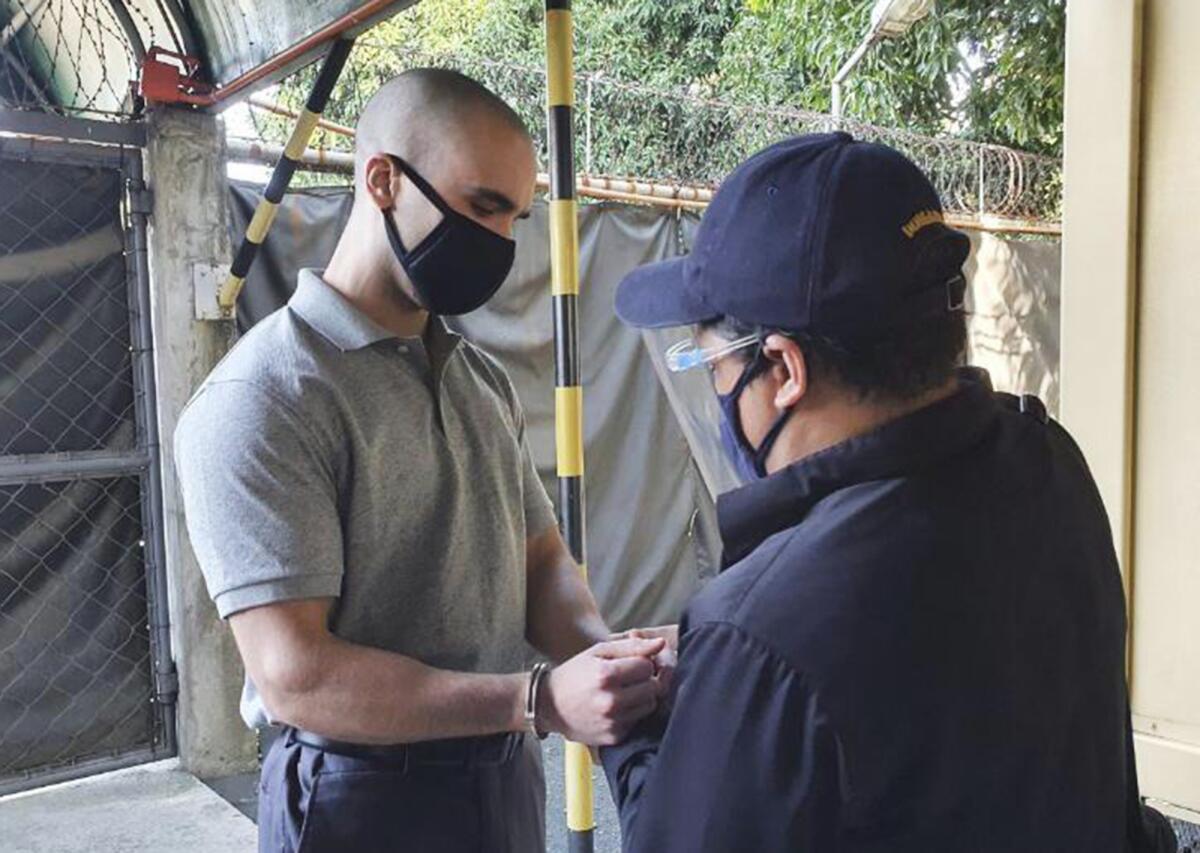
[(989, 70), (985, 70), (638, 40)]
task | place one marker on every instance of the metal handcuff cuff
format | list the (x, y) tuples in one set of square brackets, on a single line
[(536, 676)]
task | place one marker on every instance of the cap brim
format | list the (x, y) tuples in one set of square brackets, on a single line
[(657, 296)]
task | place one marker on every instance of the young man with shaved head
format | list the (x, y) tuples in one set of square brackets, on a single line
[(362, 501)]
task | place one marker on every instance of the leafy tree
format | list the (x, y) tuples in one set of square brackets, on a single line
[(989, 70)]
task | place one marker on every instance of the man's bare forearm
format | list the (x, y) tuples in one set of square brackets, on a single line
[(316, 681), (368, 695)]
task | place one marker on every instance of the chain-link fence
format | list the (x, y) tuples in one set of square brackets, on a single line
[(627, 129), (78, 56), (64, 316), (82, 646), (74, 639)]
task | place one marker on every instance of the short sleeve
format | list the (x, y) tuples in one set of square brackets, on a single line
[(539, 511), (259, 500)]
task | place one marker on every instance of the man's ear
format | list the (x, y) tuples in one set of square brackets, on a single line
[(789, 361), (380, 178)]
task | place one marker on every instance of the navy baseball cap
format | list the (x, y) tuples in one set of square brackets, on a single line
[(818, 233)]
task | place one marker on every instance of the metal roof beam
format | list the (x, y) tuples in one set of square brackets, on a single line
[(53, 126)]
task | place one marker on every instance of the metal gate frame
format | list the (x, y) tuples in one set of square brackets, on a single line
[(143, 460)]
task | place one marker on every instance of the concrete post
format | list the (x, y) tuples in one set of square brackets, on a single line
[(185, 166)]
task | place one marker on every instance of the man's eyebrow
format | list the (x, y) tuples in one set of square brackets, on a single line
[(495, 198)]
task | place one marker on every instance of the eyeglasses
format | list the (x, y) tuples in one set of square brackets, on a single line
[(685, 355)]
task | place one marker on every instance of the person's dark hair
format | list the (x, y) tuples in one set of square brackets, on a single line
[(897, 367)]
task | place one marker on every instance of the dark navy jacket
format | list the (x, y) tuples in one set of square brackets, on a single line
[(919, 646)]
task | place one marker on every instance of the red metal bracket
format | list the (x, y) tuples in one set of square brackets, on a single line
[(170, 78)]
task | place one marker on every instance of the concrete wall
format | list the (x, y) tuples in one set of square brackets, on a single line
[(185, 167), (1131, 344)]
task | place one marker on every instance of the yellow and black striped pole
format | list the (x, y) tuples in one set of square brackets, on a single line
[(568, 395), (264, 214)]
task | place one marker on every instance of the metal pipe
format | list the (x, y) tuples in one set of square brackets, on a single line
[(634, 198), (282, 59), (633, 191), (264, 215), (19, 21), (844, 72), (165, 678), (688, 195), (1002, 225), (324, 124), (312, 159), (56, 467), (568, 390), (604, 189), (42, 126)]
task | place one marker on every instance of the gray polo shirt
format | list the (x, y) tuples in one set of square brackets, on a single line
[(325, 457)]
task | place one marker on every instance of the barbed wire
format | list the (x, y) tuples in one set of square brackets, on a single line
[(77, 57), (625, 129)]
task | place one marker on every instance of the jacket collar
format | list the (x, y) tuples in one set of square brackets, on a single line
[(754, 512)]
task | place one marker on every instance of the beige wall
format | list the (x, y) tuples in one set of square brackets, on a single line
[(1131, 343), (1166, 588)]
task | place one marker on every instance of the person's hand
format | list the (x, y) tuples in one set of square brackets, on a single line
[(596, 697), (670, 633), (664, 661)]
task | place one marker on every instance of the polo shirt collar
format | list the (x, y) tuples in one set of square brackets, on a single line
[(343, 325), (749, 515)]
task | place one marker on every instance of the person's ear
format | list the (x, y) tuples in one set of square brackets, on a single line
[(789, 363), (380, 176)]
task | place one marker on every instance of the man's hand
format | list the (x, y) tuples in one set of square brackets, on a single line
[(596, 697), (664, 661)]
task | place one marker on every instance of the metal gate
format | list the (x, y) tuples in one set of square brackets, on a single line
[(86, 679)]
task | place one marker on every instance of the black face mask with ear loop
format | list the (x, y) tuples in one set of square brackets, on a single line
[(460, 264)]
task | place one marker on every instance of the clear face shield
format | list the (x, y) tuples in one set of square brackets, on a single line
[(693, 398)]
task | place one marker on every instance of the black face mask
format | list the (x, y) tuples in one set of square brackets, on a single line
[(749, 461), (460, 264)]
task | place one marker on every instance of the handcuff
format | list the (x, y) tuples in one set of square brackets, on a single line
[(536, 676)]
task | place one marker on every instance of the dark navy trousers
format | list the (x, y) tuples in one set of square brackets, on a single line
[(315, 800)]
